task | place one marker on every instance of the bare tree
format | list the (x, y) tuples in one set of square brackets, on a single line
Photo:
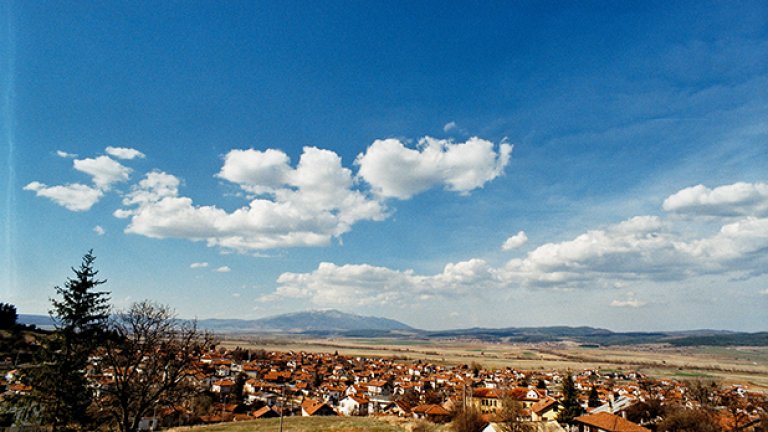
[(680, 419), (510, 417), (467, 419), (152, 356)]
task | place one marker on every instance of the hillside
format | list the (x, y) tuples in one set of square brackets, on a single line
[(319, 424), (334, 323), (309, 322)]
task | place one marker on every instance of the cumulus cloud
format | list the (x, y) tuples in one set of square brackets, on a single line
[(303, 206), (640, 245), (223, 269), (196, 265), (516, 241), (308, 204), (364, 284), (451, 125), (630, 302), (738, 199), (257, 171), (395, 171), (75, 197), (104, 170), (642, 248), (124, 153), (99, 230)]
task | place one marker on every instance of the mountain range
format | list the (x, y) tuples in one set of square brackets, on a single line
[(331, 322), (313, 321)]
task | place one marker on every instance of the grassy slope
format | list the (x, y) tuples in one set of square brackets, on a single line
[(308, 424)]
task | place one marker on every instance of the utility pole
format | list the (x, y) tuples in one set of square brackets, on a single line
[(282, 405)]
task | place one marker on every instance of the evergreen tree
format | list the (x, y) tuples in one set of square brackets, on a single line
[(570, 402), (594, 398), (82, 312), (60, 388), (8, 316)]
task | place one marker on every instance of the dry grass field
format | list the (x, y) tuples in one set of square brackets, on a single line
[(728, 365), (319, 424)]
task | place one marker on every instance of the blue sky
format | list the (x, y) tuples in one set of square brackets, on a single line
[(447, 165)]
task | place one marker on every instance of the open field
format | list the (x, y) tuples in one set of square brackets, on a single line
[(308, 424), (729, 365)]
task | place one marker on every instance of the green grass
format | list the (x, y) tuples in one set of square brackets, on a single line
[(302, 424)]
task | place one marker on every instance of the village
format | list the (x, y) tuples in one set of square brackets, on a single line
[(241, 385)]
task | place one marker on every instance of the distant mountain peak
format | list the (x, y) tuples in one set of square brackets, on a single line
[(328, 320), (309, 321)]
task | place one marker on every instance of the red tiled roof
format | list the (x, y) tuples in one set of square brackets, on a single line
[(610, 423)]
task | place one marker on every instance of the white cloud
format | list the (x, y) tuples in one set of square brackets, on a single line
[(628, 303), (63, 154), (364, 284), (257, 171), (396, 171), (99, 230), (79, 197), (738, 199), (223, 269), (75, 197), (104, 170), (641, 245), (304, 206), (744, 239), (124, 153), (642, 248), (451, 125), (516, 241), (196, 265), (764, 292)]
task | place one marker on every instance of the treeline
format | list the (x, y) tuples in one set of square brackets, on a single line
[(733, 339), (102, 369)]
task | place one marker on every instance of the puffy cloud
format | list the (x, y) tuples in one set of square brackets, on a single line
[(104, 170), (640, 245), (736, 245), (450, 126), (75, 197), (639, 249), (124, 153), (196, 265), (738, 199), (630, 302), (99, 230), (79, 197), (396, 171), (305, 206), (364, 284), (223, 269), (256, 171), (63, 154), (516, 241)]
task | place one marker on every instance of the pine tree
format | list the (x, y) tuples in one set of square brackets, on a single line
[(60, 387), (82, 312), (8, 316), (570, 402), (594, 398)]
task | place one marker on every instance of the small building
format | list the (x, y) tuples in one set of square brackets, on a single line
[(311, 408), (432, 412), (606, 422), (354, 405)]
